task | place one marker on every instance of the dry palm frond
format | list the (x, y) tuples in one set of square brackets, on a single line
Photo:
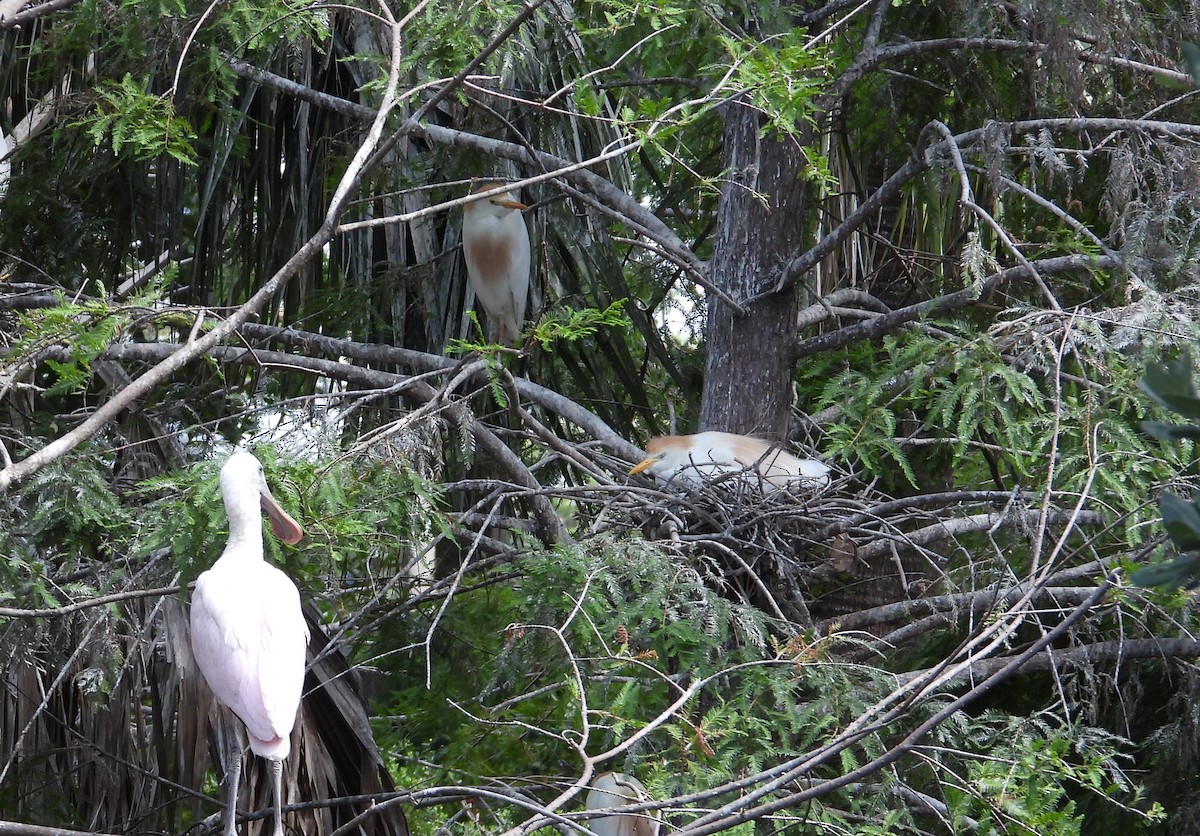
[(104, 714)]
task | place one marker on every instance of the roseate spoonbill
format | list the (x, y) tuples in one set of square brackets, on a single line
[(248, 632), (692, 459), (615, 789), (496, 245)]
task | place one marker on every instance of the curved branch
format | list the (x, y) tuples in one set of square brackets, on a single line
[(887, 323)]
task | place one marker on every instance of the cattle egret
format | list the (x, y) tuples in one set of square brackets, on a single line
[(248, 633), (615, 789), (694, 459), (496, 245)]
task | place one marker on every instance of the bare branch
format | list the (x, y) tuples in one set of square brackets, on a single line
[(88, 603), (550, 525), (889, 322)]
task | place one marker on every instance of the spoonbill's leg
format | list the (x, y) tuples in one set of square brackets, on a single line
[(233, 775), (277, 785)]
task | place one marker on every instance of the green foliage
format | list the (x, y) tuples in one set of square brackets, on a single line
[(573, 325), (255, 26), (139, 123), (785, 73), (466, 346), (1033, 769), (84, 330), (62, 518), (1191, 59), (966, 395), (1171, 384), (156, 7), (621, 615), (451, 34), (71, 499), (607, 626)]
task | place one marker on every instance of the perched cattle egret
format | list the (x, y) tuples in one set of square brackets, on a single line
[(496, 245), (694, 459), (615, 789), (248, 633)]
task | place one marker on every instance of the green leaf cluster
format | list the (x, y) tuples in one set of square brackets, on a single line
[(255, 26), (1032, 774), (964, 395), (574, 324), (783, 76), (66, 515), (1171, 384), (139, 123), (84, 329)]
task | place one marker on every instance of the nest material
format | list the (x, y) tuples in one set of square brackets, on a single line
[(811, 557)]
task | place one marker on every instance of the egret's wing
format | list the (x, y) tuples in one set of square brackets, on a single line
[(519, 275)]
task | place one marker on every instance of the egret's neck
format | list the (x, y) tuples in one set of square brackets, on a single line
[(245, 524)]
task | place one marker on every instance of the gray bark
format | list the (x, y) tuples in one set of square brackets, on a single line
[(760, 222)]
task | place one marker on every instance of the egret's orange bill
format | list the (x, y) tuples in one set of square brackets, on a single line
[(642, 465)]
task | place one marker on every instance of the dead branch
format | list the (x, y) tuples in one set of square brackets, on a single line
[(887, 323)]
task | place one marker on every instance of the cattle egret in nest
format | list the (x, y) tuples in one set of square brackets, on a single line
[(694, 459)]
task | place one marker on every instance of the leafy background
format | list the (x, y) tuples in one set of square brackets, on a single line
[(967, 355)]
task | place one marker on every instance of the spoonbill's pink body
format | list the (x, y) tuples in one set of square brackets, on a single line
[(248, 633)]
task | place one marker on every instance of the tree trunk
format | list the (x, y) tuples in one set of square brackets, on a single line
[(760, 223)]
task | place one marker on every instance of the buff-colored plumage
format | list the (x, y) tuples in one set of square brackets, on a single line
[(496, 246), (248, 633), (616, 789), (694, 459)]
